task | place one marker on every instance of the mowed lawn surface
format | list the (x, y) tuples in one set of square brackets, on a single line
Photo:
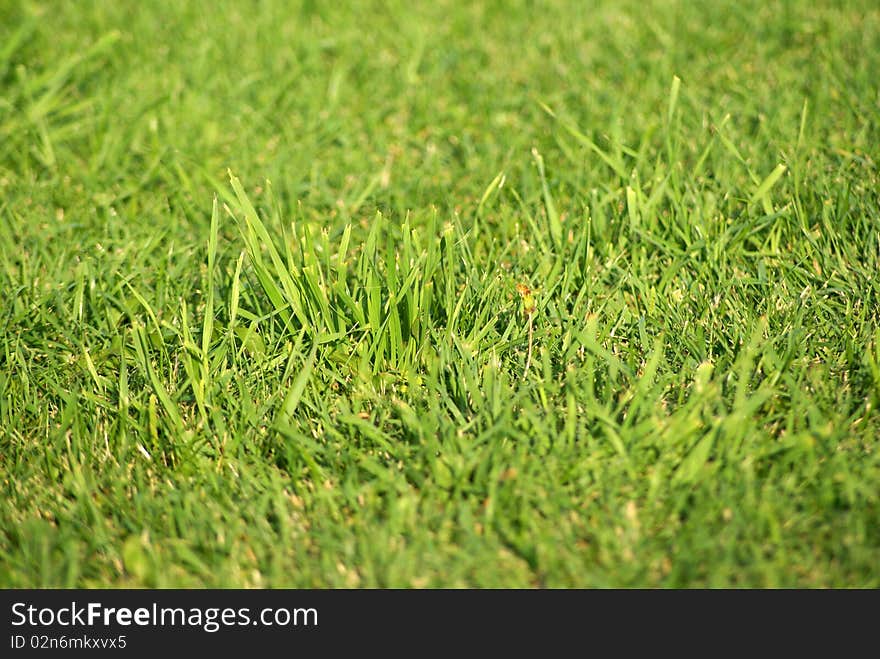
[(460, 294)]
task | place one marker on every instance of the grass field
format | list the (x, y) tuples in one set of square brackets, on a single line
[(448, 294)]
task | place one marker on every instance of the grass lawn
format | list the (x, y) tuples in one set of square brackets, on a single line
[(447, 294)]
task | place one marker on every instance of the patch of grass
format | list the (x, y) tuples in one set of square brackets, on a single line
[(460, 294)]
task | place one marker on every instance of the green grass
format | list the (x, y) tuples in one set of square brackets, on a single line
[(261, 325)]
